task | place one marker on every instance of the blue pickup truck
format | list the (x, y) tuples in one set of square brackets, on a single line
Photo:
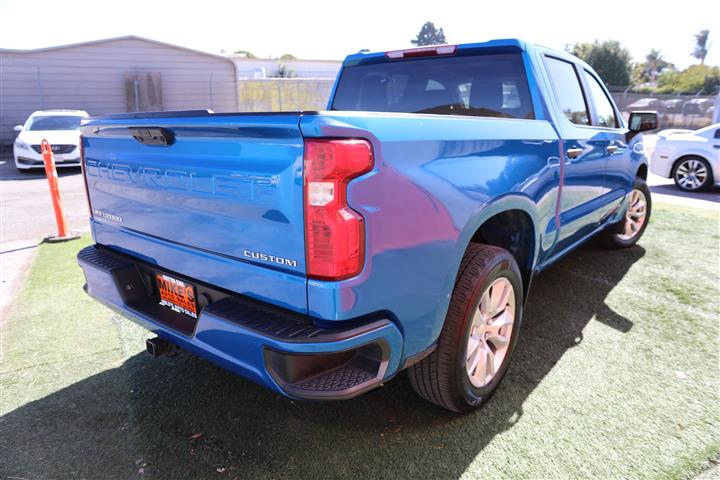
[(321, 253)]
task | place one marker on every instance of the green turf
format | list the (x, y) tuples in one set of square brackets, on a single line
[(616, 376)]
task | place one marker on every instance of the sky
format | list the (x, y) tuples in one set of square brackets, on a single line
[(332, 29)]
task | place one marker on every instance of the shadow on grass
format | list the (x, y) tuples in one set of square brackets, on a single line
[(139, 419)]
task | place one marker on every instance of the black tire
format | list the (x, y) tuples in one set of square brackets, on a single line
[(686, 162), (442, 378), (613, 236)]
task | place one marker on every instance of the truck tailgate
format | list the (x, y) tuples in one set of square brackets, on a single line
[(226, 186)]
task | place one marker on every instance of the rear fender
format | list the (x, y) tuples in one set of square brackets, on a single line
[(478, 218)]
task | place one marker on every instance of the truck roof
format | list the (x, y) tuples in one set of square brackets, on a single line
[(499, 46)]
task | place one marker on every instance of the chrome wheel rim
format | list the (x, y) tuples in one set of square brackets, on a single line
[(490, 332), (635, 215), (691, 174)]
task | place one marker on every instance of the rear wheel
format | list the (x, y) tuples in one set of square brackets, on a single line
[(692, 174), (628, 231), (479, 334)]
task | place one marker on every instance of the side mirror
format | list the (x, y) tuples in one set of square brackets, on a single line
[(18, 128), (642, 122)]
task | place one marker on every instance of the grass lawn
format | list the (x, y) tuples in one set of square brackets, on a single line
[(617, 375)]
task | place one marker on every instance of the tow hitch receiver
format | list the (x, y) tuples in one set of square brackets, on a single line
[(157, 347)]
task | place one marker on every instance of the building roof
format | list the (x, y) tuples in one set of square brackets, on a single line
[(114, 39)]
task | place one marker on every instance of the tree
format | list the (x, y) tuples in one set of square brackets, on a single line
[(701, 79), (652, 68), (288, 56), (245, 53), (701, 46), (610, 60), (429, 35)]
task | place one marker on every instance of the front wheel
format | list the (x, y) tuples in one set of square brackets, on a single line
[(628, 231), (479, 334)]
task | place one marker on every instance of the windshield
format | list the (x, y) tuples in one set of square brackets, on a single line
[(492, 85), (54, 122)]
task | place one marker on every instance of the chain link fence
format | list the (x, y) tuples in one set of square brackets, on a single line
[(676, 111)]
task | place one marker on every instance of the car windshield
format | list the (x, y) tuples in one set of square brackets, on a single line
[(709, 128), (54, 122)]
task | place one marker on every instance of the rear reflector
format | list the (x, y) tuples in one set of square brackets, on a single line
[(334, 233), (422, 52)]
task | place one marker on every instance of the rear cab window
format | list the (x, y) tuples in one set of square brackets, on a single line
[(604, 111), (485, 85), (568, 90)]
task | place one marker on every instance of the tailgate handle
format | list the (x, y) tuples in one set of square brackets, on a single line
[(153, 135)]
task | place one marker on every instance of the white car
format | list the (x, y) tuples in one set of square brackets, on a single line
[(60, 128), (691, 158)]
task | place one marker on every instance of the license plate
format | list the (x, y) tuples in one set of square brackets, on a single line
[(176, 294)]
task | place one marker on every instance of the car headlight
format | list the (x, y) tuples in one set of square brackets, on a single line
[(21, 145)]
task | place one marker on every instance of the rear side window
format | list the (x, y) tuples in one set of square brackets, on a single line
[(482, 85), (603, 108), (568, 90)]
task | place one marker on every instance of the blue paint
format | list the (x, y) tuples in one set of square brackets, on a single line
[(232, 184)]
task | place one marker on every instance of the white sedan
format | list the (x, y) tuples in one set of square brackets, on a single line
[(60, 128), (690, 158)]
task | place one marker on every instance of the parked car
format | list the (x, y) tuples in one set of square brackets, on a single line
[(697, 106), (646, 104), (690, 158), (673, 105), (61, 128), (322, 253)]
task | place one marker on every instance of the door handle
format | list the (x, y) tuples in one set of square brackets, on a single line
[(574, 152), (612, 149)]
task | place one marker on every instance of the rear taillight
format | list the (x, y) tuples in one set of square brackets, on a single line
[(334, 233), (84, 174)]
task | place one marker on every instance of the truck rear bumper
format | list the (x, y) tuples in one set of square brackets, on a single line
[(282, 350)]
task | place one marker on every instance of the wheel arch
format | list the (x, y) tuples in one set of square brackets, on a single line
[(510, 223), (516, 205)]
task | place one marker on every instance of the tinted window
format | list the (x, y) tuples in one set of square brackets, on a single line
[(568, 91), (603, 108), (717, 133), (482, 85), (55, 122)]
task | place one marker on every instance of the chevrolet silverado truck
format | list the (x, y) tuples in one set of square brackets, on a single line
[(321, 253)]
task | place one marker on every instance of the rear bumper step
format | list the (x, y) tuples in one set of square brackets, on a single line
[(279, 349)]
